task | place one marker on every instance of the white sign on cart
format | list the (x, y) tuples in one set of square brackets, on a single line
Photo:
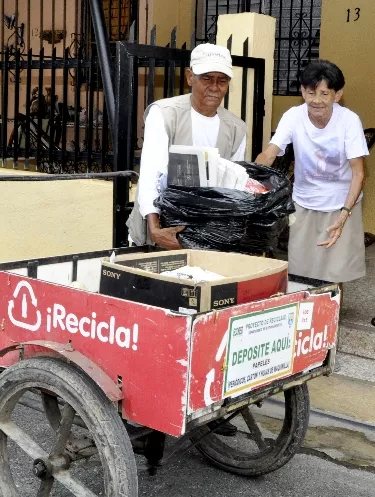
[(260, 348)]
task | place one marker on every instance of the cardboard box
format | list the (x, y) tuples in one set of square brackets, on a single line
[(246, 278)]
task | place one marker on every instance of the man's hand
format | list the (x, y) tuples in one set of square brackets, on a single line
[(334, 231), (167, 237), (164, 237)]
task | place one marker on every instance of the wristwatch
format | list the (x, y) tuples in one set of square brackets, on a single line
[(347, 210)]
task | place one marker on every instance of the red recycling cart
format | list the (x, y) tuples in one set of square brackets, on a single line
[(112, 377)]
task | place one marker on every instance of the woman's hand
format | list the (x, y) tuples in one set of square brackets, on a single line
[(334, 231)]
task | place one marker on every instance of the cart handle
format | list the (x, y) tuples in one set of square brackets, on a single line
[(56, 177)]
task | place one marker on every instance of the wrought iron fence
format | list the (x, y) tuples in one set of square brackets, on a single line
[(62, 134), (53, 102), (58, 134), (297, 33), (53, 108)]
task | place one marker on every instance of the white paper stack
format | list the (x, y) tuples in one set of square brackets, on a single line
[(203, 166), (193, 273)]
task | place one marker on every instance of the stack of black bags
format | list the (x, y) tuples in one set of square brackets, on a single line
[(230, 220)]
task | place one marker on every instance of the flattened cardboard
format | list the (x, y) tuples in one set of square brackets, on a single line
[(246, 278)]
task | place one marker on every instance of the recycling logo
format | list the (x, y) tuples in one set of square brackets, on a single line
[(29, 307)]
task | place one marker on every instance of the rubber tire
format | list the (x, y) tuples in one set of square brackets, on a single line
[(91, 404), (291, 437)]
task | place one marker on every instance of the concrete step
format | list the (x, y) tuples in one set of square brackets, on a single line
[(357, 335), (357, 339), (349, 392), (355, 368), (334, 437)]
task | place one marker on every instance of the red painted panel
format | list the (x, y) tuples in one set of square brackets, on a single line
[(148, 347), (262, 288), (210, 337)]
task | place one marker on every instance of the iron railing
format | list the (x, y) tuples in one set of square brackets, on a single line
[(54, 113), (142, 73), (59, 103), (58, 135), (297, 33)]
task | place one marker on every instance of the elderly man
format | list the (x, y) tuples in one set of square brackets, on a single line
[(191, 119)]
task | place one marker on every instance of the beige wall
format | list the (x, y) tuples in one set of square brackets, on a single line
[(351, 45), (41, 219), (35, 26), (280, 105), (260, 30), (167, 15)]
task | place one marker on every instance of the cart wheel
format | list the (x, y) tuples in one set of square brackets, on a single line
[(92, 459), (262, 444)]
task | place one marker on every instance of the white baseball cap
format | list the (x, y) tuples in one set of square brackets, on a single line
[(211, 58)]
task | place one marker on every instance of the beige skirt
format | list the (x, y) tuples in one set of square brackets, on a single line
[(344, 261)]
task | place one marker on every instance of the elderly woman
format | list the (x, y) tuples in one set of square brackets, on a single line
[(326, 240)]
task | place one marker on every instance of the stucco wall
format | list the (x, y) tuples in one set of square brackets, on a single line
[(280, 105), (34, 34), (40, 219), (167, 15), (350, 45)]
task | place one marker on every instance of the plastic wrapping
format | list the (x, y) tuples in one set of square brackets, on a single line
[(230, 220)]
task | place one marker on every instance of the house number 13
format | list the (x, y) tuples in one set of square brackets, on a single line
[(357, 13)]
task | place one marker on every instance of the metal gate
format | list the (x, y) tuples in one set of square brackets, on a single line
[(53, 109)]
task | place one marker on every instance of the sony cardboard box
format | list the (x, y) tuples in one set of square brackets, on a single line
[(245, 278)]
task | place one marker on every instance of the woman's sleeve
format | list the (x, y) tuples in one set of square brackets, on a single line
[(284, 131), (355, 141)]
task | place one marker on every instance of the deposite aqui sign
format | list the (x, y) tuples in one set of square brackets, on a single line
[(260, 348)]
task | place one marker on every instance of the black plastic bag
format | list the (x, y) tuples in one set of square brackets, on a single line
[(263, 237), (229, 220)]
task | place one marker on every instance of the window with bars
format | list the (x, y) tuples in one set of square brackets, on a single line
[(297, 33), (119, 15), (117, 18)]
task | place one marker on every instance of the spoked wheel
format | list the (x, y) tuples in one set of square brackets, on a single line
[(90, 458), (262, 443)]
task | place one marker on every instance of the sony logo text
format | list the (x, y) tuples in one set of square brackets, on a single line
[(221, 302), (111, 274)]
